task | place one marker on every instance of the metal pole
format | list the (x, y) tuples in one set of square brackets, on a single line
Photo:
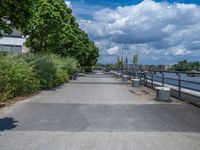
[(152, 80), (11, 49), (122, 61), (163, 78), (179, 85), (146, 79)]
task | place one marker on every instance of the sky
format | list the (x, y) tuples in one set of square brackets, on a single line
[(160, 31)]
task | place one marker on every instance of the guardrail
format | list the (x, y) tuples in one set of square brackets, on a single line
[(160, 78), (165, 80)]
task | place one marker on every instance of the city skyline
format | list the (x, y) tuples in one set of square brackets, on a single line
[(163, 32)]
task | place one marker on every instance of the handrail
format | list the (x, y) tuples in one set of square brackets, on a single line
[(168, 71), (194, 82), (151, 76), (178, 85)]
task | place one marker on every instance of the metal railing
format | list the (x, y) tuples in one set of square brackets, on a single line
[(178, 82), (152, 77)]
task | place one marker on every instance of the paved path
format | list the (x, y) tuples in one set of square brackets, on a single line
[(98, 112)]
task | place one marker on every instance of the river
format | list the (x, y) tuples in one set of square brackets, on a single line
[(193, 86)]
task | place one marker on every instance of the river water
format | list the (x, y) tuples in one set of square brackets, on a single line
[(193, 86)]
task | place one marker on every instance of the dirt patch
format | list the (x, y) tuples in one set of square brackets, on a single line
[(16, 99)]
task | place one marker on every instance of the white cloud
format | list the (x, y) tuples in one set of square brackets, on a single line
[(182, 52), (113, 50), (68, 3), (160, 29), (169, 28)]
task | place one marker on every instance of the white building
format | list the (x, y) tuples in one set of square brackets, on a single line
[(13, 43)]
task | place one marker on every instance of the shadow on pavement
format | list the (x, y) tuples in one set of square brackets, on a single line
[(55, 88), (7, 124)]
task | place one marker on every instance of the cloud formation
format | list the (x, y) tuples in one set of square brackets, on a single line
[(68, 3), (113, 50), (156, 29)]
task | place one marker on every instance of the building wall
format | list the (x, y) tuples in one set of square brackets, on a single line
[(13, 43)]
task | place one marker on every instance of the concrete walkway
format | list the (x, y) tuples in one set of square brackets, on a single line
[(98, 112)]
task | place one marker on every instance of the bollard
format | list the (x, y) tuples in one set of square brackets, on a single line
[(118, 75), (135, 82), (124, 78), (163, 93)]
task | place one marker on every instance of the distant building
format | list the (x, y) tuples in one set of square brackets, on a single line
[(142, 67), (13, 43)]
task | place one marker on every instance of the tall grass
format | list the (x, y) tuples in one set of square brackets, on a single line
[(16, 78), (21, 75), (51, 69)]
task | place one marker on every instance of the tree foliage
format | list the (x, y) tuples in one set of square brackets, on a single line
[(54, 29), (119, 63), (135, 59), (15, 14), (186, 66)]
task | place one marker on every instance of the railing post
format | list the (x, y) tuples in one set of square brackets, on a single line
[(179, 85), (163, 78), (146, 79), (142, 75), (152, 80)]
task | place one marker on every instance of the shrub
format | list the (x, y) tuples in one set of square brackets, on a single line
[(88, 69), (16, 77), (44, 68), (71, 65), (61, 72), (51, 69), (21, 75)]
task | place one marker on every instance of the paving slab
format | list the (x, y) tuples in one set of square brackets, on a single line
[(48, 140)]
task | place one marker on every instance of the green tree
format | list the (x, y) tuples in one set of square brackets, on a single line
[(92, 54), (54, 29), (186, 66), (119, 63), (15, 14), (47, 29), (82, 48), (135, 59)]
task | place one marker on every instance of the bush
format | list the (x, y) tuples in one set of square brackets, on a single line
[(51, 69), (88, 69), (25, 74), (107, 69), (16, 77), (71, 65)]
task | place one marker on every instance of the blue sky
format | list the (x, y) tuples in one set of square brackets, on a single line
[(162, 32), (114, 3)]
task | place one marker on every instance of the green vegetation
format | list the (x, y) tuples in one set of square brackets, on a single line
[(135, 59), (22, 75), (50, 28), (51, 69), (119, 63), (57, 46), (17, 78), (53, 29), (15, 14), (186, 66)]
